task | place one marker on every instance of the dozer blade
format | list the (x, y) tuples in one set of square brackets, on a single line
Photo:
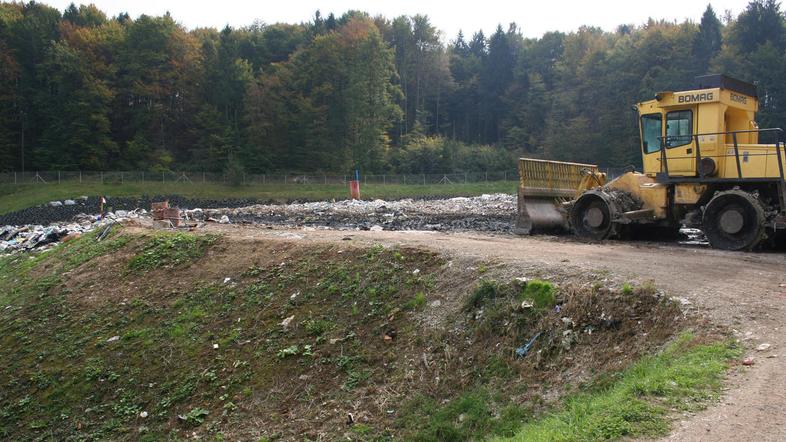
[(543, 188)]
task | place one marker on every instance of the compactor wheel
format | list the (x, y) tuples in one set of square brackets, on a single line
[(734, 220), (591, 217)]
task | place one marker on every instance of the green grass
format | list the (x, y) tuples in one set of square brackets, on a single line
[(203, 350), (217, 355), (167, 249), (633, 403), (474, 415), (16, 197), (485, 291), (540, 293), (683, 377)]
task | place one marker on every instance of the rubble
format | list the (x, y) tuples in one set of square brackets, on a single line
[(493, 212), (490, 212), (39, 237)]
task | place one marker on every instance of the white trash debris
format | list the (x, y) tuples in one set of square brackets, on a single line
[(285, 323), (763, 347), (486, 212)]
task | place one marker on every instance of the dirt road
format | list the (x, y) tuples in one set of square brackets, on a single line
[(744, 291)]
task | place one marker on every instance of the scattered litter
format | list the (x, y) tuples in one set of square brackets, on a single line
[(37, 237), (747, 361), (69, 202), (143, 414), (290, 235), (294, 296), (227, 280), (285, 322), (525, 304), (763, 347), (113, 339), (103, 234), (416, 271), (215, 346), (524, 349), (436, 303), (484, 213), (55, 203), (224, 220)]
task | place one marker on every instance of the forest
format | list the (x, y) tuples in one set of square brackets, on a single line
[(80, 90)]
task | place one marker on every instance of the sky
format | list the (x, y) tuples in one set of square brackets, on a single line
[(534, 17)]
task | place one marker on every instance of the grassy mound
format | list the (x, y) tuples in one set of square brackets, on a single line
[(151, 335)]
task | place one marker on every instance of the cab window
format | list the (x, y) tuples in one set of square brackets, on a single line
[(679, 128), (651, 131)]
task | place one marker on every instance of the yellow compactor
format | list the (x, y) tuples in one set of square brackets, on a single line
[(703, 168)]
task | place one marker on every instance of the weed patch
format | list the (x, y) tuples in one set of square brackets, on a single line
[(170, 250), (214, 358), (685, 376), (540, 293)]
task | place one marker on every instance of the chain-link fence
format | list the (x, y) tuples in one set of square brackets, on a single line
[(122, 177)]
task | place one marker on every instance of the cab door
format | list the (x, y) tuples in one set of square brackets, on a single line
[(679, 142), (651, 127)]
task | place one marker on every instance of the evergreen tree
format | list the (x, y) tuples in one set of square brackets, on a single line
[(707, 42)]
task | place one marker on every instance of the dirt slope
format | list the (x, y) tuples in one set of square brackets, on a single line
[(744, 291)]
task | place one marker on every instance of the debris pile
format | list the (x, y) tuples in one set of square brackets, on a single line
[(38, 237), (490, 212)]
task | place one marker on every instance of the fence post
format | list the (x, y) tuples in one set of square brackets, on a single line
[(162, 177), (122, 179), (384, 180), (80, 177), (244, 179), (263, 178), (203, 177), (506, 176), (102, 177), (14, 177), (325, 176), (424, 179), (143, 177), (487, 176), (285, 178), (465, 177)]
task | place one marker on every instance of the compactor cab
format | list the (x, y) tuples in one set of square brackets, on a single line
[(703, 166)]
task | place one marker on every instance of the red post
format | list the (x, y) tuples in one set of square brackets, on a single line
[(354, 189)]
